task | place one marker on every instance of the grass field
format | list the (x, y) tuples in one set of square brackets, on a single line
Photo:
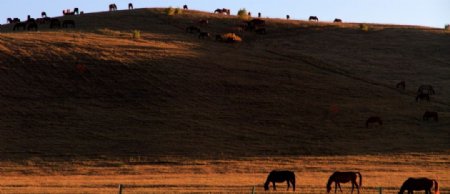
[(169, 112)]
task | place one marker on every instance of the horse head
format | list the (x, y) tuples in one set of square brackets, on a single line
[(266, 186)]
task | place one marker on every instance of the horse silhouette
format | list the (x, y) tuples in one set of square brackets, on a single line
[(419, 184), (259, 14), (66, 23), (423, 97), (401, 85), (185, 7), (313, 18), (373, 120), (76, 10), (55, 23), (279, 177), (19, 25), (430, 115), (426, 89), (344, 177), (112, 7), (43, 14), (222, 11), (130, 6), (12, 21), (288, 17), (337, 20)]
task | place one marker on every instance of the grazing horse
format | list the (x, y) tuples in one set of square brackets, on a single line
[(429, 114), (130, 6), (22, 25), (344, 177), (192, 29), (43, 14), (422, 97), (185, 7), (112, 7), (418, 184), (426, 89), (9, 20), (373, 120), (66, 23), (313, 18), (401, 85), (337, 20), (55, 23), (203, 35), (279, 177), (32, 25), (76, 10)]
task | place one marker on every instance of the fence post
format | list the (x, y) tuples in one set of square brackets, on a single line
[(380, 190), (120, 188), (253, 190)]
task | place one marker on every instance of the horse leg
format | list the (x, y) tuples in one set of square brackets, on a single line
[(288, 185), (335, 187), (339, 184), (274, 188), (353, 186)]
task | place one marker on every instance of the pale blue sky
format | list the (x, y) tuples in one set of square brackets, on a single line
[(435, 13)]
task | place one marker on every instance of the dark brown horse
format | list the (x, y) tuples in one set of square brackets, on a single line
[(288, 17), (373, 120), (401, 85), (76, 10), (344, 177), (279, 177), (43, 14), (426, 89), (112, 7), (422, 97), (430, 115), (222, 11), (419, 184), (313, 18), (185, 7), (337, 20), (130, 6)]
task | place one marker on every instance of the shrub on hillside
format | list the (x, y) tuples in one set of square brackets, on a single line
[(364, 27), (178, 11), (136, 34), (243, 14), (173, 11)]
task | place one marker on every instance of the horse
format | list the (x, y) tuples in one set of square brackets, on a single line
[(344, 177), (16, 20), (315, 18), (337, 20), (22, 25), (288, 17), (373, 120), (68, 12), (222, 11), (418, 184), (249, 14), (76, 11), (219, 11), (192, 29), (279, 177), (112, 7), (43, 14), (429, 114), (422, 97), (130, 6), (401, 85), (32, 25), (203, 35), (426, 89), (185, 7), (259, 14), (66, 23), (55, 23)]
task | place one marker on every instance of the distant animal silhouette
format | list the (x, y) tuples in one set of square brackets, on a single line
[(288, 17), (426, 89), (192, 29), (222, 11), (249, 14), (259, 14), (68, 12), (419, 184), (12, 21), (66, 23), (337, 20), (279, 177), (43, 20), (8, 20), (185, 7), (112, 7), (261, 31), (130, 6), (203, 35), (76, 10), (422, 97), (32, 26), (373, 120), (344, 177), (55, 23), (401, 85), (43, 14), (313, 18), (19, 25), (430, 115)]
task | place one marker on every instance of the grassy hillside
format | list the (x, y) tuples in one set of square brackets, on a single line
[(302, 89)]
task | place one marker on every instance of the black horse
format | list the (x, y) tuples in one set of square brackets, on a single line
[(185, 7), (76, 11), (288, 17), (344, 177), (401, 85), (279, 177), (130, 6), (66, 23), (313, 18), (337, 20), (422, 97), (373, 120), (430, 115), (426, 89), (55, 23), (112, 7), (419, 184), (19, 25), (43, 14)]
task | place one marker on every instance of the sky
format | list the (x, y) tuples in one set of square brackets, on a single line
[(433, 13)]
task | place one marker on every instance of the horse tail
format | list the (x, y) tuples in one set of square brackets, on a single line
[(360, 179), (436, 187)]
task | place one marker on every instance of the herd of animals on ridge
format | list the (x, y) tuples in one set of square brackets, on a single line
[(258, 25)]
